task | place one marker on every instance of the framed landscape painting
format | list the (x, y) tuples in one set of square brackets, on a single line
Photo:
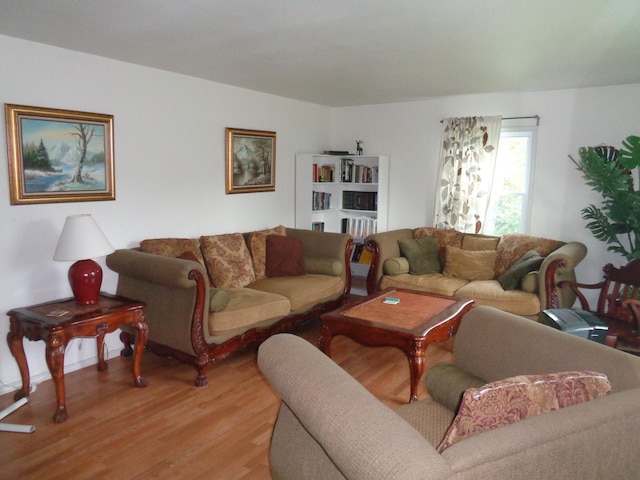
[(59, 155), (251, 161)]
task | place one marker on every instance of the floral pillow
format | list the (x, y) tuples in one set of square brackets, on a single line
[(513, 399), (172, 247), (228, 260)]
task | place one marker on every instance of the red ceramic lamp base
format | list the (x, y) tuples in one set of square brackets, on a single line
[(85, 277)]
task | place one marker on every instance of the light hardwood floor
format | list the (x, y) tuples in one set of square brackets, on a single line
[(172, 429)]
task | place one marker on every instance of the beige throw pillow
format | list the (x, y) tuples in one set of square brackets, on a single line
[(470, 265), (479, 242)]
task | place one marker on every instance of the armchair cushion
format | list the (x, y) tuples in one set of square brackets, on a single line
[(516, 398), (228, 260), (284, 257), (469, 264), (422, 255), (528, 262), (247, 307)]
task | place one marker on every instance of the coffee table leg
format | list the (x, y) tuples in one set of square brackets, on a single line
[(416, 368), (324, 341), (14, 339), (55, 360)]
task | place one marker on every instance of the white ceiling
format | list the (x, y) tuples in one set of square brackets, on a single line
[(352, 52)]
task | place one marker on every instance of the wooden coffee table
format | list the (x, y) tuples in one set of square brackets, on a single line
[(410, 325)]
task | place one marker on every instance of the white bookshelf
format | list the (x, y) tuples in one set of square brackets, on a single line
[(357, 202)]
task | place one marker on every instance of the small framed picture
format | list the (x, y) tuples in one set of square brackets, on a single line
[(59, 155), (251, 161)]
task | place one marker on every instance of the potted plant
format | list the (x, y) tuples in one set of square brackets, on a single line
[(611, 172)]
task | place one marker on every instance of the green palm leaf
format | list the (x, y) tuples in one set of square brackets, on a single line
[(617, 221), (629, 156)]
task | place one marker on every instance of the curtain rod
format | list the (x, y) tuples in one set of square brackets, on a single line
[(537, 117)]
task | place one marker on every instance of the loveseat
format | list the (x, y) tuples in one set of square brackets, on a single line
[(516, 273), (207, 297), (329, 426)]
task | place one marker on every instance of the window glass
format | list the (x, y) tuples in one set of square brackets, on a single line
[(510, 202)]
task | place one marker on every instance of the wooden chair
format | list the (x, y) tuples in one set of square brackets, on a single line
[(618, 301)]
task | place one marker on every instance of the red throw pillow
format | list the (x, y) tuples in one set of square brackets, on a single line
[(284, 257)]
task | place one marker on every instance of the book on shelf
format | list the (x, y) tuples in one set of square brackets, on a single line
[(320, 201), (346, 170), (359, 227), (357, 252), (323, 173), (350, 172), (365, 257), (336, 152), (353, 200), (317, 226)]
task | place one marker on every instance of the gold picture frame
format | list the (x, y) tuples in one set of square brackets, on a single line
[(251, 161), (59, 155)]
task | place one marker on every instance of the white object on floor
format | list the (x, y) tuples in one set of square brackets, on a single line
[(12, 427)]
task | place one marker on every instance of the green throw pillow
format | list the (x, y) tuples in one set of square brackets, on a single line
[(422, 255), (218, 300), (529, 262), (446, 383)]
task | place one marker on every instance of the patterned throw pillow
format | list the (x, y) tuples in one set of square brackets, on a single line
[(513, 399), (172, 247), (228, 260), (513, 245), (258, 247)]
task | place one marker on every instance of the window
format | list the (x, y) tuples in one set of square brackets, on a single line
[(510, 199)]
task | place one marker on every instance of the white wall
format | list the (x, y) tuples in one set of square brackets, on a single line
[(169, 165), (410, 134)]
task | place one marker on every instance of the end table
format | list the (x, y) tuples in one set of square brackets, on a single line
[(60, 321)]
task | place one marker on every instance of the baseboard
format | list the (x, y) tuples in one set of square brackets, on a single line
[(72, 367)]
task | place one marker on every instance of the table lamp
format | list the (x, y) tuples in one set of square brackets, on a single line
[(81, 239)]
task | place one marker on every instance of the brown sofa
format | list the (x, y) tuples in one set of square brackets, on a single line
[(473, 266), (329, 426), (209, 296)]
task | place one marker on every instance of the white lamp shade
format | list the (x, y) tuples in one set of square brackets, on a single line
[(81, 239)]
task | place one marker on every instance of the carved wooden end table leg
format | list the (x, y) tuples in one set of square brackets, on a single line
[(60, 321), (411, 325)]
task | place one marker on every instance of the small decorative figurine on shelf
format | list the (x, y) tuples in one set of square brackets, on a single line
[(359, 147)]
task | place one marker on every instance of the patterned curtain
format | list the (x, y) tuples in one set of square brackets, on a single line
[(467, 162)]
